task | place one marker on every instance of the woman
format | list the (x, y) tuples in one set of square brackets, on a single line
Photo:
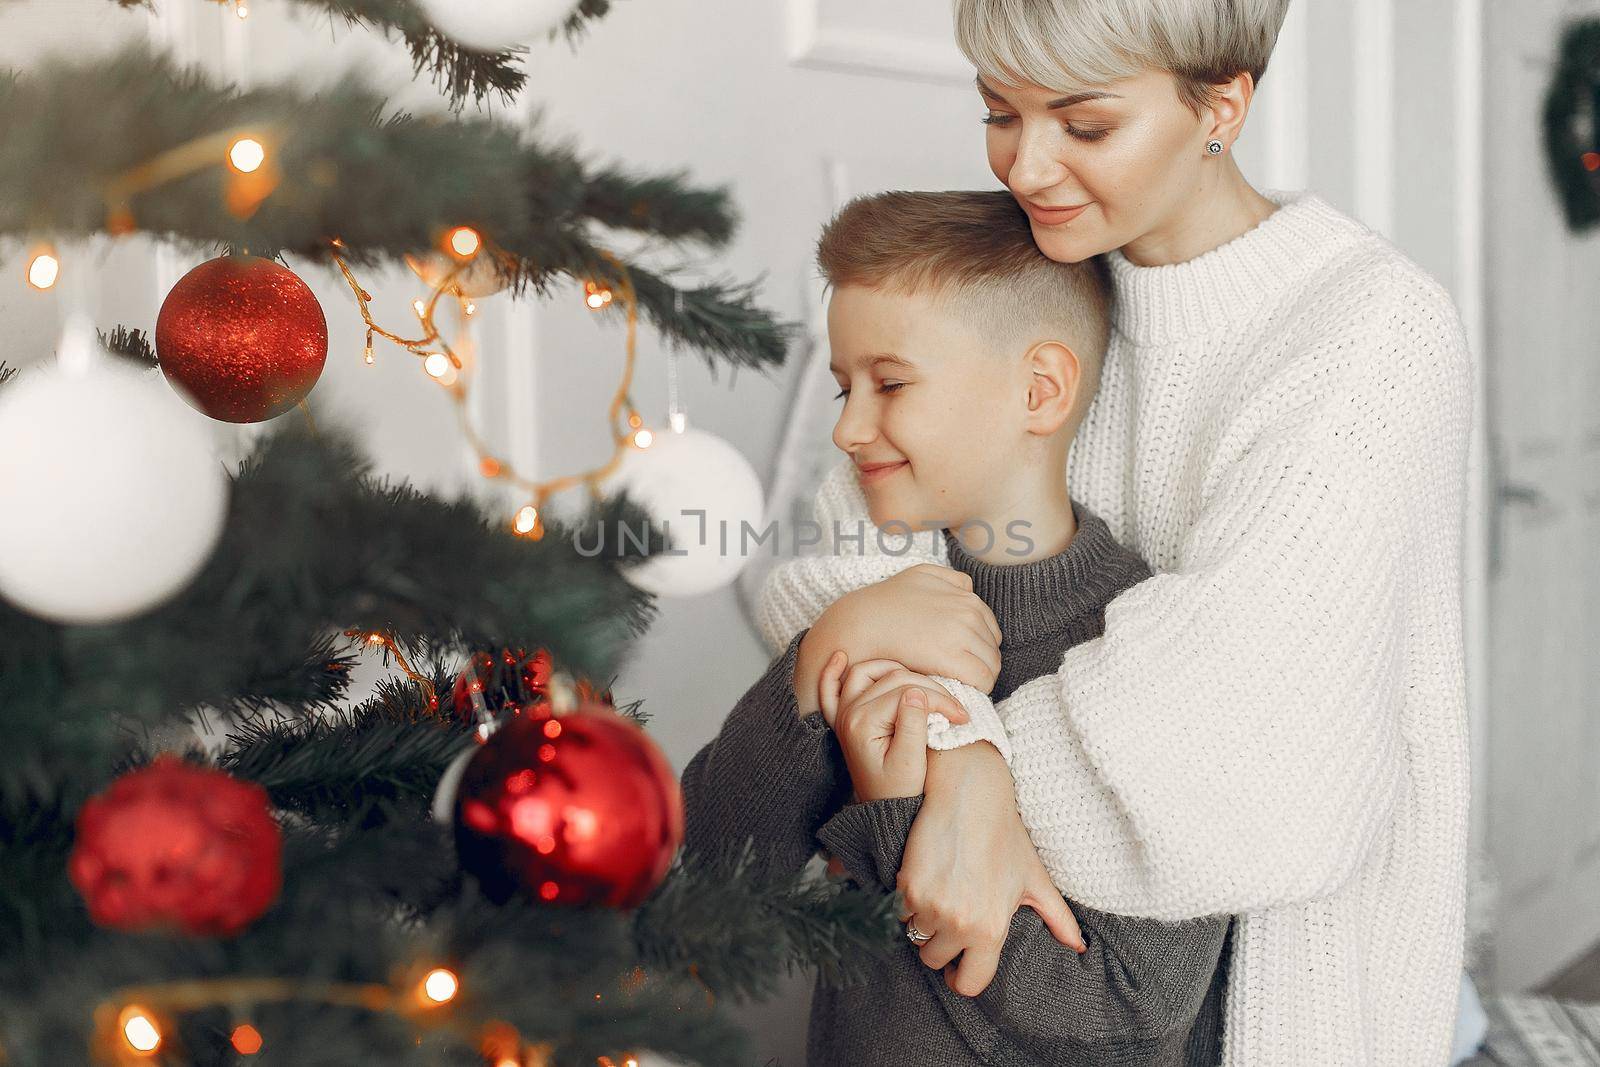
[(1273, 725)]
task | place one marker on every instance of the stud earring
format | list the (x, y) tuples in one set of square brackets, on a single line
[(1214, 146)]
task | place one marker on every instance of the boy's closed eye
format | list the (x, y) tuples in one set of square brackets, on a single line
[(886, 387)]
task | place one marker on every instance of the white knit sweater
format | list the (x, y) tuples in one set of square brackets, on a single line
[(1274, 724)]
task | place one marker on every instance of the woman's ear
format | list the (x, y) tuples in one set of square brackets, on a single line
[(1055, 376), (1230, 103)]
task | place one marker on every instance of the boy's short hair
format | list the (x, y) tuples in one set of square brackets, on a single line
[(1070, 45), (974, 251)]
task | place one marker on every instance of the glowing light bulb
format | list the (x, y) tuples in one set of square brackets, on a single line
[(437, 364), (242, 10), (140, 1031), (440, 985), (43, 271), (369, 357), (419, 307), (643, 438), (527, 519), (246, 1040), (471, 308), (596, 296), (465, 242), (246, 154), (678, 420)]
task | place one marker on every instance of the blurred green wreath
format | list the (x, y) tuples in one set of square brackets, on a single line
[(1572, 124)]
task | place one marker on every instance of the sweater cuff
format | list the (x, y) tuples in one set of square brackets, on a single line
[(983, 721), (870, 839)]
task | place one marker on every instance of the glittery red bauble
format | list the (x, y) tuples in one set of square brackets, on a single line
[(511, 679), (242, 337), (579, 808), (173, 845)]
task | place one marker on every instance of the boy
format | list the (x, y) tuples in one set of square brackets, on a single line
[(966, 360)]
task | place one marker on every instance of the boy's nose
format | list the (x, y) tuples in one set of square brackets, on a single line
[(853, 430)]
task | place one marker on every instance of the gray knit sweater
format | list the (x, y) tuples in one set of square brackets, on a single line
[(1145, 993)]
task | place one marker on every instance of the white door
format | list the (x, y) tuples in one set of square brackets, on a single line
[(1544, 381)]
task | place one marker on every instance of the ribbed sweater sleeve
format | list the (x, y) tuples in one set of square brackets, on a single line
[(1138, 984), (769, 777)]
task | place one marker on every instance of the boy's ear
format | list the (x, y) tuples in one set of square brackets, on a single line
[(1054, 376)]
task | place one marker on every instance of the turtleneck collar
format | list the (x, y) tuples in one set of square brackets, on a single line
[(1044, 596), (1153, 305)]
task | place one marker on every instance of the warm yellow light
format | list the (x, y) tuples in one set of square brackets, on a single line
[(471, 308), (375, 639), (596, 296), (418, 306), (464, 241), (440, 985), (246, 1040), (643, 438), (243, 10), (438, 364), (141, 1033), (43, 271), (246, 154), (369, 357), (527, 519)]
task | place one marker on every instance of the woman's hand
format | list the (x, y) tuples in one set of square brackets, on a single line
[(926, 617), (969, 864)]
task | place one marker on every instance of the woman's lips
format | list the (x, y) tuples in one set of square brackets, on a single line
[(866, 477), (1053, 216)]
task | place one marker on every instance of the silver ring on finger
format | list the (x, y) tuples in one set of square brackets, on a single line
[(917, 936)]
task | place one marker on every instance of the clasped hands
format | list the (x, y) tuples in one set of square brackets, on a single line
[(969, 863)]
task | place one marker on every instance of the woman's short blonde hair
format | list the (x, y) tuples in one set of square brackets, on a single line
[(1068, 45)]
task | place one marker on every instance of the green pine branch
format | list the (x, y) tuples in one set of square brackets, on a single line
[(385, 186), (312, 546), (367, 904), (459, 71)]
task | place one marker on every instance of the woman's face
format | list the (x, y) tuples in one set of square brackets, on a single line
[(1128, 155)]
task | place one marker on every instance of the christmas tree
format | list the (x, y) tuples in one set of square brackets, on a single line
[(477, 863)]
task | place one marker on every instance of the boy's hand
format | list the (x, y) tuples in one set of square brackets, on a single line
[(926, 617), (879, 710)]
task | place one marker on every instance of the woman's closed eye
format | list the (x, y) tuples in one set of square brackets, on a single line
[(886, 387), (1078, 132)]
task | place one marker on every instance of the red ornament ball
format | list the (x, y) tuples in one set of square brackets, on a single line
[(243, 338), (174, 845), (574, 809), (511, 679)]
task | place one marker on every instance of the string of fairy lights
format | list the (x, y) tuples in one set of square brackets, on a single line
[(135, 1024), (247, 156)]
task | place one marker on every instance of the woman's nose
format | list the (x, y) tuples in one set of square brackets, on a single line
[(1035, 167)]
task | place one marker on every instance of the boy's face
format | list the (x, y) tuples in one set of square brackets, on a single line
[(929, 403)]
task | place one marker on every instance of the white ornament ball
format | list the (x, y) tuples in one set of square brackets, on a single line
[(495, 25), (679, 475), (111, 499)]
